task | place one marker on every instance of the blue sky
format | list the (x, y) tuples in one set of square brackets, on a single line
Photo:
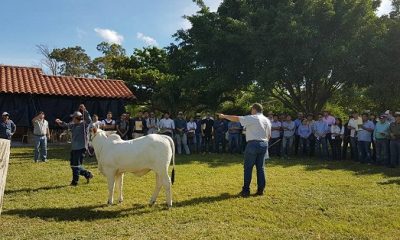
[(64, 23)]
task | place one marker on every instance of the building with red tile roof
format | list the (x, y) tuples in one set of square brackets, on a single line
[(27, 90)]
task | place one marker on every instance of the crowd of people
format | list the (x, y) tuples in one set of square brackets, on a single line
[(365, 137)]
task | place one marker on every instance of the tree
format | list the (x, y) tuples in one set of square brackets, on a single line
[(111, 52), (73, 61), (47, 60), (303, 51)]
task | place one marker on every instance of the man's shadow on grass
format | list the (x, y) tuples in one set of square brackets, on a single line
[(96, 212)]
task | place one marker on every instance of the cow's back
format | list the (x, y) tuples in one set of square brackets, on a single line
[(149, 152)]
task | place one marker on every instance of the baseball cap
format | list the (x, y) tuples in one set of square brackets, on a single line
[(76, 114), (383, 116), (180, 112), (5, 114)]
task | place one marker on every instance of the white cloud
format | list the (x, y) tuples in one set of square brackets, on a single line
[(146, 39), (109, 35), (385, 8)]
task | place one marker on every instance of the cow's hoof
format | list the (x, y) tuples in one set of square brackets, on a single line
[(169, 206), (151, 203), (120, 201), (109, 203)]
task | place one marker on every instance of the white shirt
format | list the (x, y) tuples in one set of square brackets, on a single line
[(97, 124), (354, 124), (191, 126), (108, 122), (335, 129), (166, 123), (40, 127), (258, 127)]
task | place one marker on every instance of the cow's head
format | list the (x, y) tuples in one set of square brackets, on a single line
[(94, 132)]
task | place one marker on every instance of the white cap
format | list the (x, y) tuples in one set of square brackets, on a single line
[(5, 114), (76, 114), (387, 112)]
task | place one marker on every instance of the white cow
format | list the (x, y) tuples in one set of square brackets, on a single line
[(116, 156)]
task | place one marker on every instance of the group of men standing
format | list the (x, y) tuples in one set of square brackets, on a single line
[(371, 139), (195, 134)]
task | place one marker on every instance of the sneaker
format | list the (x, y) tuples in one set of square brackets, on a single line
[(89, 176), (74, 184)]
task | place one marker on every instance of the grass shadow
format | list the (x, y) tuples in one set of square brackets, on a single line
[(96, 212), (355, 167), (34, 189), (213, 160)]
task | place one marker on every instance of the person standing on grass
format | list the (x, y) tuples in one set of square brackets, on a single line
[(381, 137), (138, 125), (198, 136), (167, 126), (207, 126), (234, 129), (346, 140), (122, 127), (289, 129), (320, 129), (304, 132), (364, 139), (108, 124), (337, 132), (191, 127), (275, 141), (297, 123), (180, 134), (78, 127), (7, 127), (258, 133), (311, 139), (394, 131), (152, 124), (353, 125), (41, 133)]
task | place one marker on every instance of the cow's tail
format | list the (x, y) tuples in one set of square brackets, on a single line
[(171, 142)]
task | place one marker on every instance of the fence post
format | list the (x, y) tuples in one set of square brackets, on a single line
[(4, 159)]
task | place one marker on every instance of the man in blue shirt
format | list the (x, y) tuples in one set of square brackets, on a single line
[(288, 136), (364, 139), (234, 129), (381, 137), (320, 129), (79, 128), (7, 127), (304, 132)]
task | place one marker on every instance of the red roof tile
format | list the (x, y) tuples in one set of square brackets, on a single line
[(32, 81)]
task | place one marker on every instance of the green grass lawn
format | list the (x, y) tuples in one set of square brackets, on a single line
[(305, 199)]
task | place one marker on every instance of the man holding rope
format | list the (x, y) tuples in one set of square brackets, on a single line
[(79, 128), (258, 132)]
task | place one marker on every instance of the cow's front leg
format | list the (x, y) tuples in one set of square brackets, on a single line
[(119, 178), (111, 183), (156, 190)]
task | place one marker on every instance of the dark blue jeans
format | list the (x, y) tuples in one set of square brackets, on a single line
[(364, 151), (382, 151), (76, 162), (354, 148), (321, 148), (234, 146), (254, 154), (395, 153)]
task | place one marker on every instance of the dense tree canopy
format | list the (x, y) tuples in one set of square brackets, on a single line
[(292, 55)]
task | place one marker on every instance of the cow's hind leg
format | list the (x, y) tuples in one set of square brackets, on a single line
[(166, 181), (156, 190), (119, 179)]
